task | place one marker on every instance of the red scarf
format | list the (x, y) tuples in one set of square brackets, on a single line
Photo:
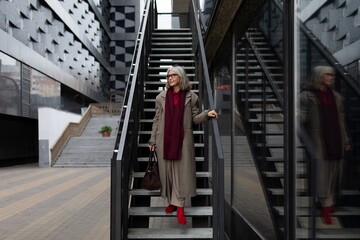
[(174, 127), (332, 134)]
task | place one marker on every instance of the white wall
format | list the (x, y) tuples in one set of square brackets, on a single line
[(52, 123)]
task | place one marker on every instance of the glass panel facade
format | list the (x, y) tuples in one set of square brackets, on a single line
[(45, 92), (222, 98), (274, 125), (10, 85)]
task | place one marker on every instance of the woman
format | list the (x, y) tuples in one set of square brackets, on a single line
[(323, 118), (172, 138)]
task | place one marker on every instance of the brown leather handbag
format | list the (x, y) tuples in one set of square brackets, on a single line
[(151, 180)]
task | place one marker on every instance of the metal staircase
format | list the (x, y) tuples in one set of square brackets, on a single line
[(169, 47), (137, 213), (260, 83)]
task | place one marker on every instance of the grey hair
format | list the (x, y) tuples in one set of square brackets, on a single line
[(184, 80), (314, 81)]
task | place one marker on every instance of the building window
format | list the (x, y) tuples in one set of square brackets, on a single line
[(9, 85)]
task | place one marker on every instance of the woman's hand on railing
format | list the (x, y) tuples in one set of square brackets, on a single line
[(212, 114)]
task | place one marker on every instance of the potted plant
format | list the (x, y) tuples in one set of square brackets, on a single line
[(105, 131)]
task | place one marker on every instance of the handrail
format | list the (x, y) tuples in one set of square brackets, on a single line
[(125, 146), (132, 81), (279, 96), (218, 156)]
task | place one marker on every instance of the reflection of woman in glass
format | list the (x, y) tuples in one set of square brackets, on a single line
[(323, 118)]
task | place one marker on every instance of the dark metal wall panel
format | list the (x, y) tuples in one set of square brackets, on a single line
[(74, 36)]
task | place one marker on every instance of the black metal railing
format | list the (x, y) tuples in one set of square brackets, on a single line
[(215, 153), (125, 146)]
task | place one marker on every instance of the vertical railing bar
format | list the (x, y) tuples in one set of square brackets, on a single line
[(289, 127), (119, 196), (218, 159), (263, 120), (233, 107), (247, 117)]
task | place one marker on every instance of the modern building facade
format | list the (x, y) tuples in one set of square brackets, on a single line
[(242, 39), (66, 54), (63, 55)]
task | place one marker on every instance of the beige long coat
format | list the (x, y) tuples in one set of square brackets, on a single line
[(185, 167), (328, 172)]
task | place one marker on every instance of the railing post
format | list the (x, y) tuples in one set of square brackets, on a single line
[(289, 120), (116, 201)]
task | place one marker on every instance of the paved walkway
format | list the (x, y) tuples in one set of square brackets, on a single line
[(54, 203), (74, 203)]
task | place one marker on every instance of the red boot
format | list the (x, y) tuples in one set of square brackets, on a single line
[(171, 208), (180, 216), (327, 215)]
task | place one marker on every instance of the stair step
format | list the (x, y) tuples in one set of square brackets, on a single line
[(171, 62), (268, 121), (330, 233), (159, 91), (144, 192), (251, 68), (196, 132), (258, 91), (274, 133), (268, 110), (172, 30), (270, 145), (172, 56), (196, 145), (145, 159), (259, 100), (162, 84), (171, 33), (151, 75), (170, 233), (241, 60), (164, 68), (259, 82), (172, 44), (280, 174), (241, 55), (198, 174), (159, 211), (339, 211), (171, 50), (280, 191), (275, 159)]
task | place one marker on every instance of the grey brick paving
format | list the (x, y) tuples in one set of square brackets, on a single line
[(74, 203), (54, 203)]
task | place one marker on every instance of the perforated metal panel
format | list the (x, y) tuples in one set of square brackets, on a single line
[(25, 90)]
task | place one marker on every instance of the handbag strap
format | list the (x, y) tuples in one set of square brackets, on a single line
[(155, 156), (152, 157)]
